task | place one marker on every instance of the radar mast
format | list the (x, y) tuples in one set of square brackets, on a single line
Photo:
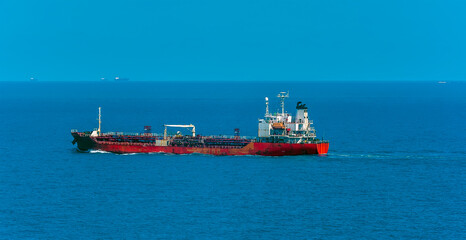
[(282, 96)]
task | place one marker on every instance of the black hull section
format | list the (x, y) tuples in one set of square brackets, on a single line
[(85, 143)]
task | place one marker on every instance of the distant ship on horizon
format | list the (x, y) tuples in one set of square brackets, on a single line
[(119, 79)]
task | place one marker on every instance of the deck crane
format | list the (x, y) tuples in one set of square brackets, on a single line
[(193, 130)]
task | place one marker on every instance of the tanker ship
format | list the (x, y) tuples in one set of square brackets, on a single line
[(279, 134)]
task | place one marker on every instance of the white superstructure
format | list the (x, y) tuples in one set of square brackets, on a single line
[(282, 127)]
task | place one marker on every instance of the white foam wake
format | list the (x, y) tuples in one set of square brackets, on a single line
[(98, 151)]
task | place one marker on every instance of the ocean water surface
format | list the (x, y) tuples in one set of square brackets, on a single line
[(395, 169)]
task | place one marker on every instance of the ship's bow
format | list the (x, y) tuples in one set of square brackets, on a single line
[(84, 141)]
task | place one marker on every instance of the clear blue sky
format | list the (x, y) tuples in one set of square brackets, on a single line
[(233, 40)]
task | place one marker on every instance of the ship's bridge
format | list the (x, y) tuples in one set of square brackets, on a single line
[(283, 127)]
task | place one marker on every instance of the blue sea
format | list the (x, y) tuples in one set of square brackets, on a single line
[(396, 167)]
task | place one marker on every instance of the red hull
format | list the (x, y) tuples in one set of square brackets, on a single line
[(252, 148), (266, 149)]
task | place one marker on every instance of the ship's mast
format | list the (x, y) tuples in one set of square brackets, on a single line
[(266, 106), (282, 96), (100, 121)]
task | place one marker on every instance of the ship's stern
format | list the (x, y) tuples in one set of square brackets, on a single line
[(322, 147)]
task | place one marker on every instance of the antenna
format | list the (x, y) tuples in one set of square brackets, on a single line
[(282, 96), (100, 121), (267, 106)]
